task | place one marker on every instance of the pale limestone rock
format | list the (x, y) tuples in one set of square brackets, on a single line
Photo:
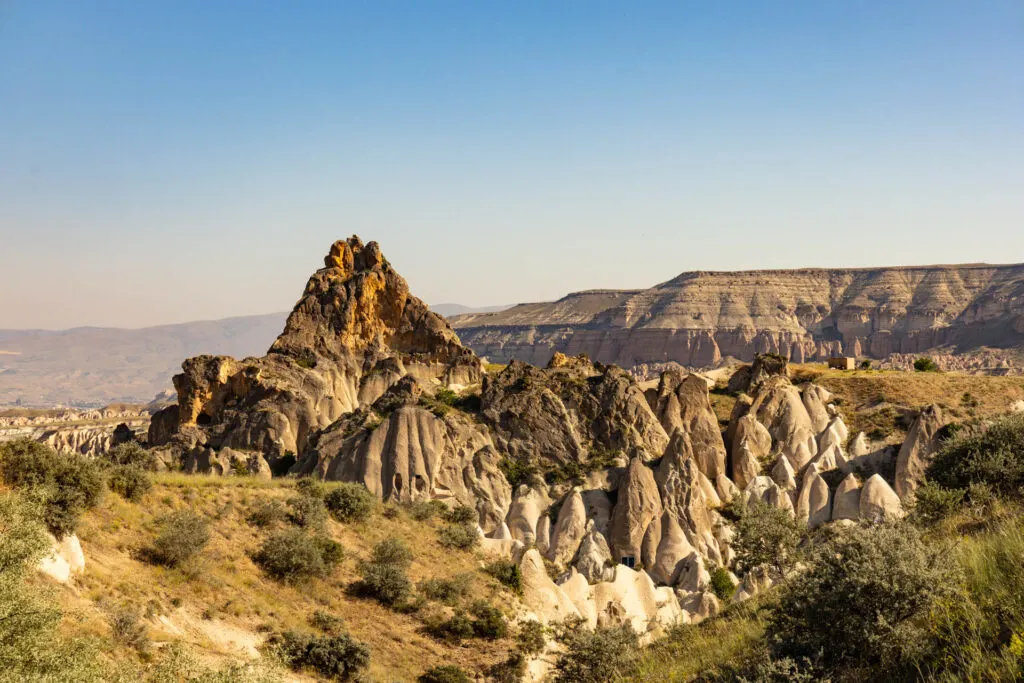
[(541, 595), (751, 445), (699, 605), (878, 501), (638, 506), (543, 537), (859, 447), (672, 550), (689, 409), (816, 399), (687, 496), (632, 598), (599, 507), (783, 474), (725, 489), (1017, 407), (779, 407), (64, 560), (528, 506), (847, 499), (579, 591), (502, 533), (569, 530), (813, 505), (693, 575), (754, 583), (594, 560), (920, 445)]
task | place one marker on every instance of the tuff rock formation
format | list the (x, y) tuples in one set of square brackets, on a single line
[(915, 454)]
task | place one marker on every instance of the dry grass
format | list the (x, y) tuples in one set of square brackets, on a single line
[(883, 400), (226, 593)]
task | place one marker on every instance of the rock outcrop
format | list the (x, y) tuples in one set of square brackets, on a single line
[(355, 330), (919, 446), (698, 318)]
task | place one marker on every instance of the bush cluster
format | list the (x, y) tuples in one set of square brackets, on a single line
[(266, 513), (446, 673), (507, 573), (130, 481), (722, 584), (338, 657), (596, 656), (183, 535), (764, 535), (385, 576), (293, 554), (350, 503), (993, 457), (68, 485), (449, 591), (483, 620), (926, 364), (459, 536)]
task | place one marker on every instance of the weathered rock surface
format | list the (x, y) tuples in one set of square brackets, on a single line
[(594, 560), (64, 560), (878, 501), (814, 505), (915, 454), (752, 443), (569, 530), (846, 504), (804, 315), (637, 509), (355, 323), (683, 403)]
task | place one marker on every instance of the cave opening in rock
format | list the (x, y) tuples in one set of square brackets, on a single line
[(629, 561)]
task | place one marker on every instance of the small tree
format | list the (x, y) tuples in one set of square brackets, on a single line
[(447, 673), (350, 503), (292, 555), (131, 482), (182, 537), (459, 536), (384, 574), (597, 656), (336, 657), (876, 586), (765, 536), (131, 453), (926, 364)]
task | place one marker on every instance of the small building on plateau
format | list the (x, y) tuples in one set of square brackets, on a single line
[(842, 363)]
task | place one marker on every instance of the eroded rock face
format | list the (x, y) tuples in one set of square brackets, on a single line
[(355, 323), (569, 413), (637, 509), (687, 497), (920, 445), (847, 499), (752, 443), (878, 501), (814, 505), (569, 530), (594, 560)]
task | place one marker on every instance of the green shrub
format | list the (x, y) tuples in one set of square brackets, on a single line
[(512, 670), (764, 536), (338, 657), (461, 514), (530, 638), (309, 487), (459, 536), (508, 573), (127, 628), (994, 457), (307, 512), (925, 364), (292, 555), (131, 453), (722, 584), (876, 586), (266, 513), (183, 535), (326, 622), (350, 503), (31, 645), (384, 574), (426, 510), (281, 466), (597, 656), (448, 591), (488, 621), (517, 471), (454, 629), (68, 484), (446, 396), (933, 503), (131, 482), (448, 673)]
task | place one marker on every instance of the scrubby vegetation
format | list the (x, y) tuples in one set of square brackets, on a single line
[(293, 554), (508, 573), (596, 656), (337, 657), (67, 485), (993, 457), (925, 364), (350, 503), (131, 482), (183, 535), (459, 536), (385, 576), (764, 535)]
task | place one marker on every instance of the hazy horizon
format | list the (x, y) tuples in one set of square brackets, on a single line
[(171, 162)]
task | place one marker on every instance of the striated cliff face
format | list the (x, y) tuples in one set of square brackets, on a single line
[(698, 318)]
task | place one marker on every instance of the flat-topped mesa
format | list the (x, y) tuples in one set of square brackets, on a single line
[(355, 331)]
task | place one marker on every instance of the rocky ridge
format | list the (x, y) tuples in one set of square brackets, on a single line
[(606, 495), (698, 318)]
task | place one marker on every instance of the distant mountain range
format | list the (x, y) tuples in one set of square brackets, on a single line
[(93, 366)]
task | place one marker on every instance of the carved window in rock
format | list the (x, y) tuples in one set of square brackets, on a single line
[(629, 561)]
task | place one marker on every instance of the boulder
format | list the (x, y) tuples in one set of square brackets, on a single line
[(814, 506), (751, 445), (699, 606), (672, 550), (569, 530), (594, 560), (64, 560), (816, 399), (638, 507), (878, 501), (917, 450), (543, 534), (847, 499), (541, 596)]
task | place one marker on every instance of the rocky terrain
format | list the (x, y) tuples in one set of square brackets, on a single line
[(698, 318), (611, 502)]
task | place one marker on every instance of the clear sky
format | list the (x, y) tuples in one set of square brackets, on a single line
[(163, 161)]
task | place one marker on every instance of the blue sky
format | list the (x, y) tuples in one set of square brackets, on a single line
[(180, 160)]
